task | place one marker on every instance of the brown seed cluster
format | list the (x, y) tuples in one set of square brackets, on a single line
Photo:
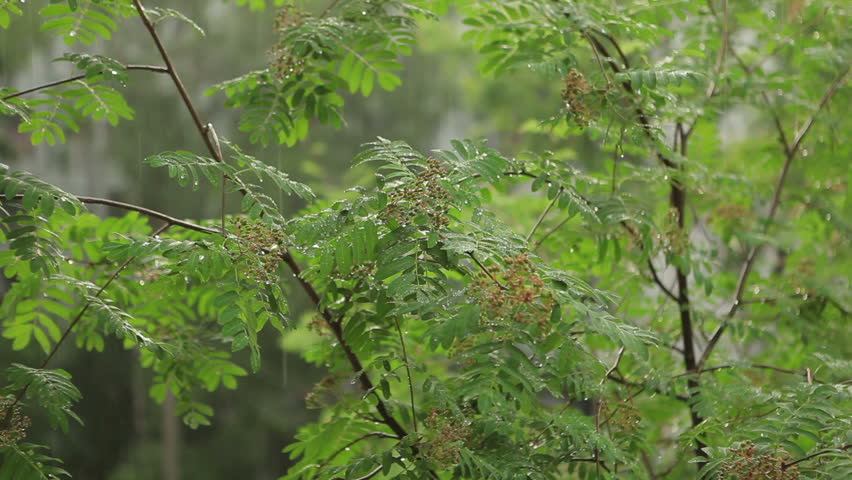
[(259, 249), (13, 425), (425, 196), (520, 296), (445, 437), (283, 61), (574, 95), (745, 463), (625, 417)]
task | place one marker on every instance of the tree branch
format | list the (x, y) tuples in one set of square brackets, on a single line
[(150, 68), (790, 152), (335, 325), (817, 454), (134, 208)]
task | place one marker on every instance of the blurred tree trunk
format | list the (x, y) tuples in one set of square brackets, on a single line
[(170, 458)]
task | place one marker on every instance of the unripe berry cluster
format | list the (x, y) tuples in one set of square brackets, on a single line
[(13, 425), (746, 463), (520, 296), (425, 196)]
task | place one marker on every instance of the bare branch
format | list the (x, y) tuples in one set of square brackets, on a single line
[(150, 68), (135, 208), (544, 214)]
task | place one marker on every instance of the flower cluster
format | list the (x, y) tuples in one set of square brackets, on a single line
[(745, 463), (515, 294), (284, 62), (574, 95), (445, 437), (13, 425), (259, 249), (425, 197)]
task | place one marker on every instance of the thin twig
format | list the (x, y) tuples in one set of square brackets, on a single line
[(614, 366), (150, 68), (134, 208), (659, 282), (212, 131), (544, 214), (487, 272), (551, 232), (349, 445), (817, 454), (407, 372), (807, 374)]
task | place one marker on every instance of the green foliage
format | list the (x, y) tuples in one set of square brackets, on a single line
[(25, 462), (654, 289), (50, 389)]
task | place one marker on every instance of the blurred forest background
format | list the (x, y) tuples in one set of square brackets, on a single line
[(128, 436)]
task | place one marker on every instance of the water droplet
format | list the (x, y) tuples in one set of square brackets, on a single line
[(141, 282), (756, 290), (828, 217), (70, 262)]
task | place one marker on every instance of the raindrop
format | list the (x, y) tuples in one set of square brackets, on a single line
[(756, 290), (141, 282), (828, 217), (70, 262)]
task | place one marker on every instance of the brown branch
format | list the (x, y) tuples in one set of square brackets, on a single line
[(335, 325), (790, 152), (134, 208), (658, 281), (150, 68), (170, 69), (337, 329), (817, 454)]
